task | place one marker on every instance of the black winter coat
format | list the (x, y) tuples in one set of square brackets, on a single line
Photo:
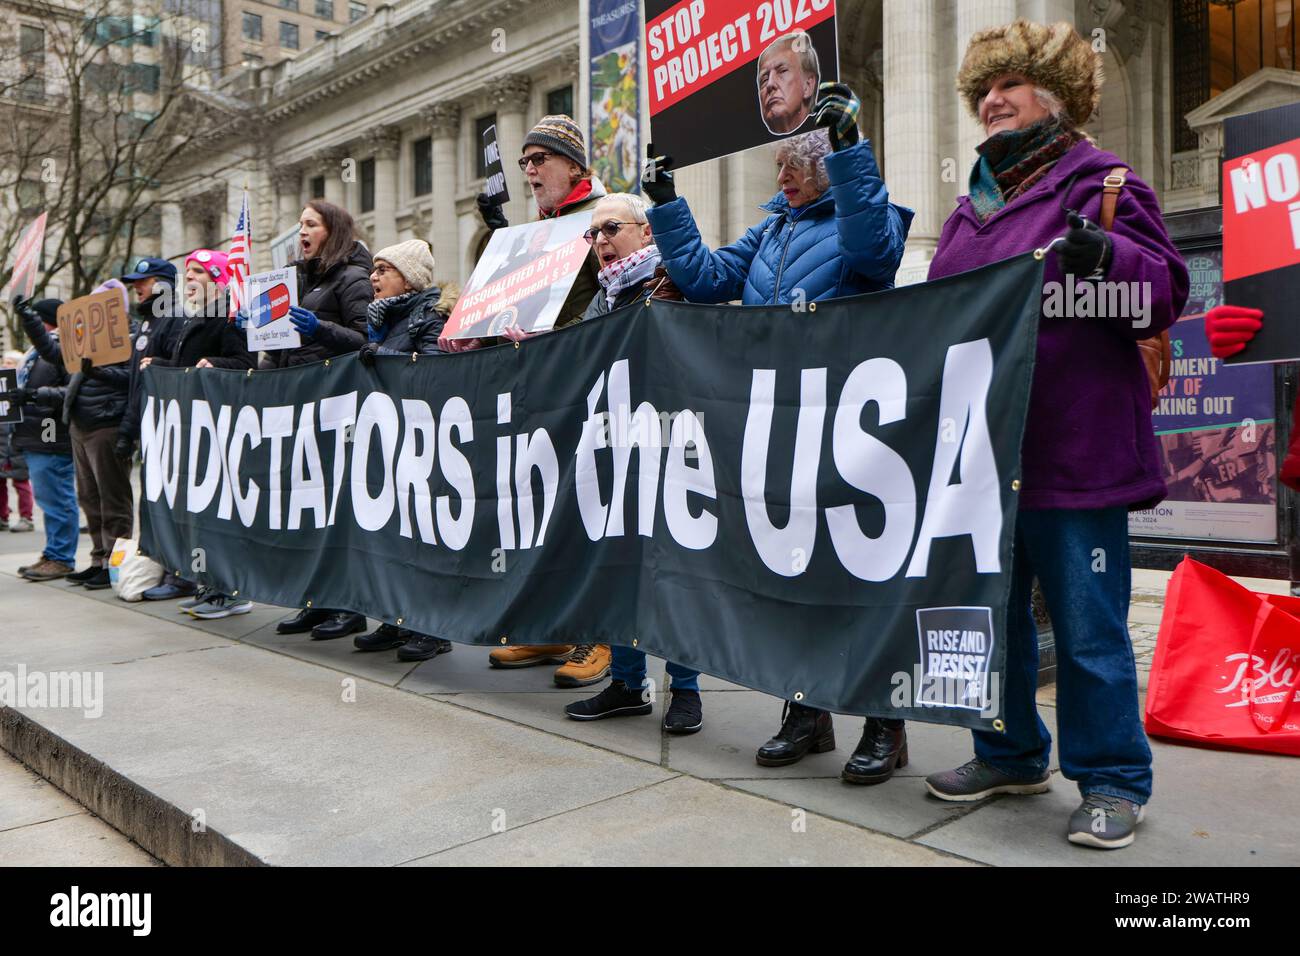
[(30, 432), (417, 326), (215, 338), (338, 296), (156, 326), (92, 401)]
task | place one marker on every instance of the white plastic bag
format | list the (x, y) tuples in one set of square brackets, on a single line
[(130, 572)]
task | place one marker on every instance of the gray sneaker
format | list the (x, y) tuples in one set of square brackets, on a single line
[(200, 597), (975, 780), (1105, 822), (218, 606)]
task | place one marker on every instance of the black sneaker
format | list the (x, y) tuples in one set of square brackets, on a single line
[(685, 714), (422, 647), (81, 577), (98, 581), (385, 638), (616, 700), (1105, 822), (975, 780)]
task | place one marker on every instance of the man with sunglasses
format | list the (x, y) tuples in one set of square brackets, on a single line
[(554, 160)]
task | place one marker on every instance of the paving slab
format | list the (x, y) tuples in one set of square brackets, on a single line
[(638, 737), (676, 823), (26, 798), (737, 723), (78, 840), (1209, 808)]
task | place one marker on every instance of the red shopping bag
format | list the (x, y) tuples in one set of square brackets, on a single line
[(1226, 666)]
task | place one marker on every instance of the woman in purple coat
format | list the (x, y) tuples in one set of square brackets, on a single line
[(1089, 455)]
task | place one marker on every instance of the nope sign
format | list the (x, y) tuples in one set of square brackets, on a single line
[(96, 327)]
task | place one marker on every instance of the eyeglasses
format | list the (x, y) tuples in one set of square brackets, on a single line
[(537, 159), (610, 229)]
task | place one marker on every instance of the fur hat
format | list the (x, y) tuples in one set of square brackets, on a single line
[(413, 259), (1054, 57)]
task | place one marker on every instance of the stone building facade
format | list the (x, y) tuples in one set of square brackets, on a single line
[(385, 116)]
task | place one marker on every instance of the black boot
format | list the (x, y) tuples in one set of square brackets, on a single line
[(385, 638), (881, 751), (422, 647), (803, 729), (339, 624), (303, 621)]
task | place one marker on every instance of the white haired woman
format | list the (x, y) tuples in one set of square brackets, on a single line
[(830, 232)]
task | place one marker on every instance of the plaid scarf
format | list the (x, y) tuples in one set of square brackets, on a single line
[(381, 313), (1011, 163), (629, 271)]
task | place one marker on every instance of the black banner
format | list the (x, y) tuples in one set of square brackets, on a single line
[(495, 184), (813, 501)]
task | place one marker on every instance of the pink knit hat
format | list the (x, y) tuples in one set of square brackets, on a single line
[(213, 262)]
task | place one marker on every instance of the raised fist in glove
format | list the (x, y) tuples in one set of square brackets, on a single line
[(1230, 327), (1085, 252), (23, 306), (657, 180), (837, 109), (304, 320), (493, 215)]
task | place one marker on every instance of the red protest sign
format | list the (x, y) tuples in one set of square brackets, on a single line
[(1261, 211), (27, 257), (96, 327), (727, 75)]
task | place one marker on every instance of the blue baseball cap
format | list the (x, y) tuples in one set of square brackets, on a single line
[(148, 267)]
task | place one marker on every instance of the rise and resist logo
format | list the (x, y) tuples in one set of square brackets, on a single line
[(956, 647)]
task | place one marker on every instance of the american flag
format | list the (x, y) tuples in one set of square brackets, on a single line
[(240, 259)]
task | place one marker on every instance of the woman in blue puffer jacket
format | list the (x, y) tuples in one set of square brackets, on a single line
[(831, 230)]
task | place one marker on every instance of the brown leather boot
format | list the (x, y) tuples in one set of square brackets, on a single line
[(47, 570), (588, 665), (520, 655)]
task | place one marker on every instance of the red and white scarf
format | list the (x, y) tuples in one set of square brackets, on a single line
[(629, 271)]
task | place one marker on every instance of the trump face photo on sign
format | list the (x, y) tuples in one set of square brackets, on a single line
[(788, 74)]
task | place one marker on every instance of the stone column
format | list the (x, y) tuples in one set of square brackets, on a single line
[(387, 140), (443, 120), (973, 16), (331, 167), (912, 77), (509, 94), (173, 230), (287, 181)]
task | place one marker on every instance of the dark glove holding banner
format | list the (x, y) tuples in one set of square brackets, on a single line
[(304, 320), (657, 180), (493, 215), (837, 109), (1085, 251), (124, 448), (366, 355)]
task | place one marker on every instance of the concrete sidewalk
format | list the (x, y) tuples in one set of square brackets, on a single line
[(222, 742)]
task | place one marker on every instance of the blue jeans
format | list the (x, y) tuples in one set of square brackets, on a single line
[(1082, 563), (54, 486), (628, 665)]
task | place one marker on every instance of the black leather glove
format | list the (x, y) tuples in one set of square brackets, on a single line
[(88, 368), (1085, 253), (368, 351), (18, 396), (657, 180), (837, 109), (23, 306), (493, 215), (124, 448), (47, 394)]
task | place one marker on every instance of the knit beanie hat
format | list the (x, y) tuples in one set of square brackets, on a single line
[(214, 263), (1054, 57), (48, 310), (413, 259), (560, 134)]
